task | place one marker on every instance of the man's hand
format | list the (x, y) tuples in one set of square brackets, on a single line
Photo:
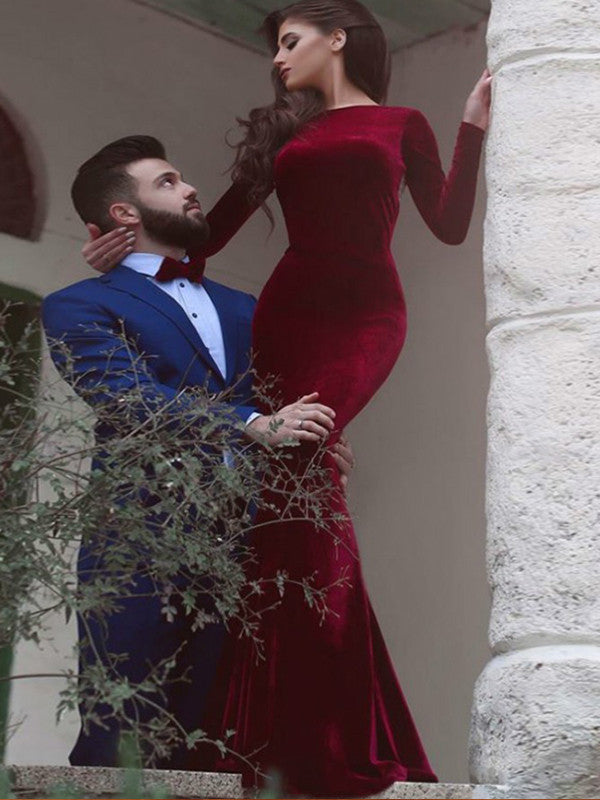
[(302, 421), (104, 251), (344, 458)]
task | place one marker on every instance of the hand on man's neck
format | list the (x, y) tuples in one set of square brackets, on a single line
[(144, 244)]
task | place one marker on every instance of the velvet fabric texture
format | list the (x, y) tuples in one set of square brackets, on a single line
[(324, 706)]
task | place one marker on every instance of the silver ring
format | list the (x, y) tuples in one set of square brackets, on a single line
[(300, 424)]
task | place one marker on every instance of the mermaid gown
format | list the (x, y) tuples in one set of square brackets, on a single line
[(324, 706)]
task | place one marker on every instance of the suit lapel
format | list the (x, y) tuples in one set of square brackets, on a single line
[(127, 280), (222, 301)]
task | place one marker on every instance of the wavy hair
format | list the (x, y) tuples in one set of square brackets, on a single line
[(367, 66)]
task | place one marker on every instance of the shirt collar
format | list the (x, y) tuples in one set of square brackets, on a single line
[(145, 263)]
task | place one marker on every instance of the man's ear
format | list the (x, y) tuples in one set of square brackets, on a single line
[(124, 214), (338, 40)]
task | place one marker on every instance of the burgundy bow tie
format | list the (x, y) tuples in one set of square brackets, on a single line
[(170, 269)]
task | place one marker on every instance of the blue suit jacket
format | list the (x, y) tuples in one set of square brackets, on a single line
[(88, 317)]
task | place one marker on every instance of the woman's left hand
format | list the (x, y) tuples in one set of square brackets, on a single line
[(477, 108)]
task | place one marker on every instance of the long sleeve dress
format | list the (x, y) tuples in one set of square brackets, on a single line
[(324, 706)]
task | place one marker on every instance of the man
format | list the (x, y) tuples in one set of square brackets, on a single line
[(188, 331)]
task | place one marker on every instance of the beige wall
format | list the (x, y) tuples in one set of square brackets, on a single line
[(419, 492), (80, 73)]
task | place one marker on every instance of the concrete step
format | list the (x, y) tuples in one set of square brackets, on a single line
[(447, 791), (97, 781), (427, 791)]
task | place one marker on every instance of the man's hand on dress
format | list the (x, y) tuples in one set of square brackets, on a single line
[(104, 251), (302, 421), (344, 458)]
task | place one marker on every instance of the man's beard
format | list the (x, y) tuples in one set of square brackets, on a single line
[(175, 230)]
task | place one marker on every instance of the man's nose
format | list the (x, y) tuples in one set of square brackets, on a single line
[(190, 191)]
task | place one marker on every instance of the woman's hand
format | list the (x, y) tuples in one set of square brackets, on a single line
[(477, 108), (104, 251)]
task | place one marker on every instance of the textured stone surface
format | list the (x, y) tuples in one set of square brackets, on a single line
[(102, 780), (526, 242), (536, 725), (520, 28), (542, 247), (543, 481), (541, 145), (536, 715), (451, 791), (430, 791)]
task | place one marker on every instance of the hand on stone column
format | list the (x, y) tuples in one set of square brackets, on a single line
[(477, 108)]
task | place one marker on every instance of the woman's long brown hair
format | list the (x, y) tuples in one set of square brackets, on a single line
[(367, 65)]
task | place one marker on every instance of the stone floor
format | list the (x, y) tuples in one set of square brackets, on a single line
[(103, 781)]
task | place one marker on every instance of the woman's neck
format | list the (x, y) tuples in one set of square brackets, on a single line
[(340, 92)]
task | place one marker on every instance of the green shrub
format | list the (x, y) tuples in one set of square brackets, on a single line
[(173, 497)]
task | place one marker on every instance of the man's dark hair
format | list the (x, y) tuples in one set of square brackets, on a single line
[(103, 180)]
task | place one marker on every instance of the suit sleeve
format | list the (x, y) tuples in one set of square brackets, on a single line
[(102, 366), (444, 202)]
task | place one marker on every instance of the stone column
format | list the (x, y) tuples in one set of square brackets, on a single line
[(536, 716)]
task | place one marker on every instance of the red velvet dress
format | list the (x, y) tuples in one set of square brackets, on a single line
[(324, 706)]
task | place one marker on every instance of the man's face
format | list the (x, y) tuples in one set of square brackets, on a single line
[(168, 206)]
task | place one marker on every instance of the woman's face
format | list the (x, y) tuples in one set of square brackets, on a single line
[(305, 55)]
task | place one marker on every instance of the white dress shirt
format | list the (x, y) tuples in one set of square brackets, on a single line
[(193, 299)]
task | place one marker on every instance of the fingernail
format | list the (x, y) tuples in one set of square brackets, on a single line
[(131, 235)]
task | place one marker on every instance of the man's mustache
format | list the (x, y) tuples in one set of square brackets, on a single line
[(192, 204)]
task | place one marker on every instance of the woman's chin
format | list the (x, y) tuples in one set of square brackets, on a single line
[(295, 86)]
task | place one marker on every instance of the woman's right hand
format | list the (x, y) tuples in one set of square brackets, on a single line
[(104, 251)]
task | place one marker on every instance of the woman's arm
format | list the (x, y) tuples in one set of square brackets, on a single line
[(446, 202), (226, 218)]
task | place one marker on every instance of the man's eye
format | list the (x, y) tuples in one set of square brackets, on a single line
[(167, 181)]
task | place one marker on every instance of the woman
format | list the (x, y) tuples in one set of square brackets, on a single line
[(324, 706)]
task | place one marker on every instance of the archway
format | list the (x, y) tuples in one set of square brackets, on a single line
[(19, 217)]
